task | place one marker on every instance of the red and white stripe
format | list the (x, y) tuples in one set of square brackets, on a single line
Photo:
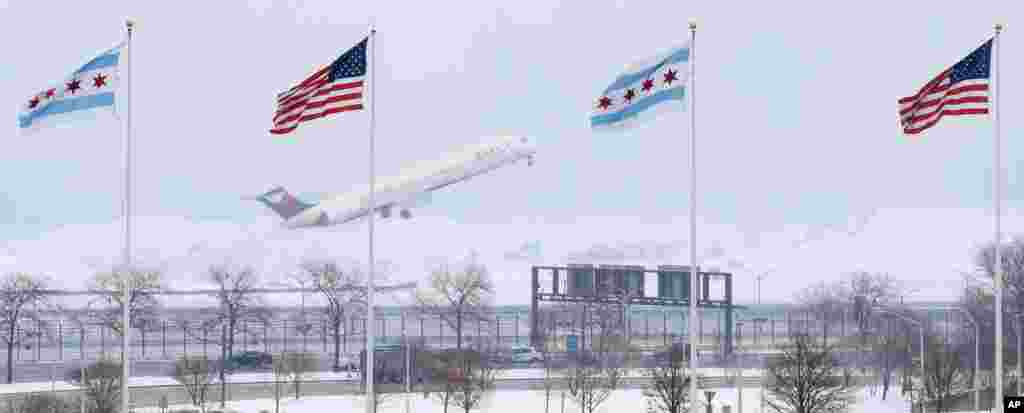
[(315, 98), (940, 98)]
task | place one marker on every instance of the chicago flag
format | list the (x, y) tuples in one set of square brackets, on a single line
[(91, 86), (642, 87)]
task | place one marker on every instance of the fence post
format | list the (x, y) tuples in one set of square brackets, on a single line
[(184, 337), (81, 342), (163, 338), (664, 326), (103, 342), (60, 337), (700, 328), (517, 328), (284, 335), (266, 341)]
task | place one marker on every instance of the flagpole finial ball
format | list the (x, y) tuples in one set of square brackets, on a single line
[(999, 27), (130, 24), (693, 24)]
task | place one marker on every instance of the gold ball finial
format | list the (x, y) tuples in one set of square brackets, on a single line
[(693, 24)]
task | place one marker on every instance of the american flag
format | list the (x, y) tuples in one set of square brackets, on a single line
[(959, 90), (333, 89)]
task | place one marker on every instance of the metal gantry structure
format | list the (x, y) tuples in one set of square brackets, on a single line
[(625, 285)]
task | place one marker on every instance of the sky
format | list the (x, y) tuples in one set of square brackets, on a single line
[(802, 170)]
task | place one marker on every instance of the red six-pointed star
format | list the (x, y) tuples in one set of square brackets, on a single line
[(604, 102), (670, 76), (99, 81), (630, 94), (74, 85), (648, 85), (33, 103)]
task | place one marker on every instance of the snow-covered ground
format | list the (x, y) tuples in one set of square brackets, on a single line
[(162, 381), (511, 374), (530, 401)]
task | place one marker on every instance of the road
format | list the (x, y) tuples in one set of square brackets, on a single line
[(41, 371)]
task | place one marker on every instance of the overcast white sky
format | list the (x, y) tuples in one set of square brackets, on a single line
[(796, 112)]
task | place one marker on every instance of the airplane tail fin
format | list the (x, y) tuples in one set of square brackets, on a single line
[(283, 203)]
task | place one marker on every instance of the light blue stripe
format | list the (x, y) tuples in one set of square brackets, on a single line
[(68, 105), (641, 105), (107, 59), (681, 55)]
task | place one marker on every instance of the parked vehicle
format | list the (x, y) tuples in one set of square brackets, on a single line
[(665, 356), (250, 360), (526, 354)]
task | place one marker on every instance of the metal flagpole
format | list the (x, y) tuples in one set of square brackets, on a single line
[(998, 207), (693, 224), (126, 271), (371, 405)]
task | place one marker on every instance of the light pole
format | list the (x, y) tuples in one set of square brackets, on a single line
[(408, 370), (921, 326), (977, 341), (1017, 317)]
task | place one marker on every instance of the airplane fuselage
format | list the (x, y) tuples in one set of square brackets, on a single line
[(403, 191)]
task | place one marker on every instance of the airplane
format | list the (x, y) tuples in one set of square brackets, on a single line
[(409, 189)]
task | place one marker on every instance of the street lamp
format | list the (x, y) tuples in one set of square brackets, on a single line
[(921, 326), (977, 341)]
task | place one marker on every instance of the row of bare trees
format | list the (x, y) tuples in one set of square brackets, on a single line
[(890, 344)]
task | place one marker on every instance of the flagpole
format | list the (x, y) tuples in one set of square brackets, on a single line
[(998, 266), (371, 405), (126, 272), (693, 224)]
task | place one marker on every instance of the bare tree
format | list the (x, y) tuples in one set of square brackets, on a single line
[(344, 292), (281, 375), (101, 384), (670, 384), (235, 299), (196, 375), (866, 290), (476, 373), (297, 367), (543, 337), (592, 381), (143, 306), (20, 296), (596, 372), (457, 296), (43, 403), (442, 372), (804, 379), (945, 376), (887, 350), (823, 300), (979, 299)]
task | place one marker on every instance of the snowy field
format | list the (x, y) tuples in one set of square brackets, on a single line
[(267, 377), (526, 402)]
